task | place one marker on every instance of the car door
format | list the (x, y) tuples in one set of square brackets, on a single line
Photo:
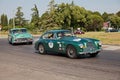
[(52, 42), (54, 45), (48, 41), (58, 43)]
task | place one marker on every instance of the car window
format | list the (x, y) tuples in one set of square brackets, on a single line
[(60, 35), (63, 34), (15, 31), (68, 33), (23, 30), (48, 36)]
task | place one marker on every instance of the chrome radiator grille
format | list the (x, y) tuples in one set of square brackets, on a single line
[(22, 39), (90, 46)]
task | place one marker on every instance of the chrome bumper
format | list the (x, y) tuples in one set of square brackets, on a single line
[(90, 52)]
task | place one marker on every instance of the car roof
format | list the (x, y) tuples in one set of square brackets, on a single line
[(17, 28), (57, 31)]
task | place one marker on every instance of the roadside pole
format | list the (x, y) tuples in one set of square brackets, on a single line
[(13, 20), (0, 32), (72, 31)]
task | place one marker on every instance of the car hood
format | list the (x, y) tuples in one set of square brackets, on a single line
[(78, 39), (23, 35)]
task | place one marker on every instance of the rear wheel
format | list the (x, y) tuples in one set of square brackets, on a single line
[(41, 49), (30, 43), (71, 52)]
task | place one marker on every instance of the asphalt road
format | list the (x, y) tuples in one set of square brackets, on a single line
[(20, 62)]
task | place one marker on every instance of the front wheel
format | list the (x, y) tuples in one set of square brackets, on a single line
[(9, 40), (41, 49), (71, 52)]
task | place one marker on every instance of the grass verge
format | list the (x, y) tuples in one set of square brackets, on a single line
[(112, 38)]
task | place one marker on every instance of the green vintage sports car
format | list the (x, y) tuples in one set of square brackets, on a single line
[(19, 35), (63, 41)]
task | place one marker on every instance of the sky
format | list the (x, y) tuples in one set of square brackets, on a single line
[(9, 7)]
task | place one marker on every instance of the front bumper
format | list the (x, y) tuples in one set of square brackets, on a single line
[(23, 40), (90, 51)]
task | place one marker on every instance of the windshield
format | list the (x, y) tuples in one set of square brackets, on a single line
[(19, 31), (64, 34)]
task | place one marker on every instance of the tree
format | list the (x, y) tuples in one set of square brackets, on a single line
[(35, 17), (52, 6), (105, 16), (19, 20), (94, 22), (4, 21), (11, 23), (47, 20), (118, 13), (115, 21), (79, 16), (97, 13), (65, 13), (65, 16), (71, 15)]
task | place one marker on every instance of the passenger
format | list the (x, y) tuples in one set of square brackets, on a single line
[(51, 36), (60, 35)]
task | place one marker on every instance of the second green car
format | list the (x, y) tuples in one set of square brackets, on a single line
[(19, 35)]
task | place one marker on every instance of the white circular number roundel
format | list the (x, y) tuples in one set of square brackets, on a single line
[(50, 44)]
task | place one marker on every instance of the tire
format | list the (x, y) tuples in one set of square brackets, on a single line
[(9, 40), (41, 49), (12, 42), (71, 52), (94, 54), (30, 43)]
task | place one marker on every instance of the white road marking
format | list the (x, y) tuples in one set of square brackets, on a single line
[(110, 47)]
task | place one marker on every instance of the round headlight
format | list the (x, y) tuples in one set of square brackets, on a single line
[(81, 45), (100, 43)]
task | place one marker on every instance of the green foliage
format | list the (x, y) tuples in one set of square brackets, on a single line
[(11, 22), (94, 22), (4, 22), (61, 16), (105, 16), (19, 20), (115, 21), (118, 13), (35, 18), (65, 16)]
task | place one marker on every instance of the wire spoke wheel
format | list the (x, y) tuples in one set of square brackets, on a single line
[(71, 52), (41, 49)]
